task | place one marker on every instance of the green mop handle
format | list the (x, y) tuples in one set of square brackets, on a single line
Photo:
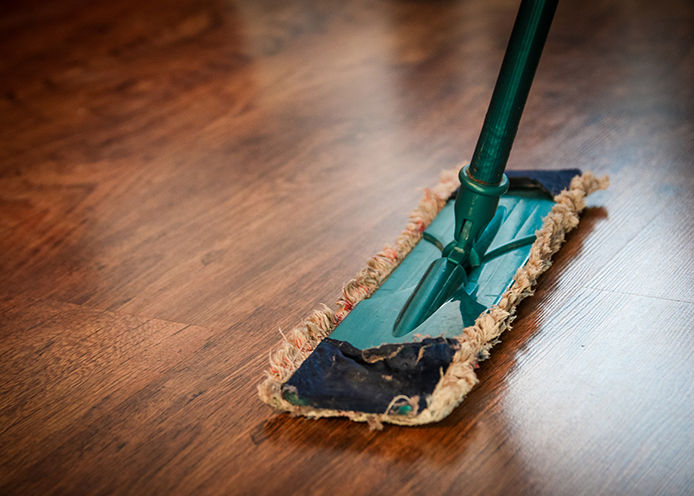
[(511, 91), (483, 181)]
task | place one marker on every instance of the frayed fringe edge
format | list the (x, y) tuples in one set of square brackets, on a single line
[(475, 341)]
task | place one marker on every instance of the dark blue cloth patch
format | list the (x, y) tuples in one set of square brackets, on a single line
[(339, 376), (550, 182)]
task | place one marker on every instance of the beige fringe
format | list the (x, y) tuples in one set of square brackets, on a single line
[(475, 341)]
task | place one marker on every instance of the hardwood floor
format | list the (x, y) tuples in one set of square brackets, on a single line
[(179, 180)]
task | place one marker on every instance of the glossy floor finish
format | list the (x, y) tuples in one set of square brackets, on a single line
[(179, 180)]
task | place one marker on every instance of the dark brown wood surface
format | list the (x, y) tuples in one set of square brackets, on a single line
[(179, 180)]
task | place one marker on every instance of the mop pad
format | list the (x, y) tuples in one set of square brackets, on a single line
[(424, 378)]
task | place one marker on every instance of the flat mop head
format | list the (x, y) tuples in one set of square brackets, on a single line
[(356, 362)]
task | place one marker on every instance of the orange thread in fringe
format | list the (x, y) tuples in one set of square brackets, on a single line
[(391, 254), (363, 288), (339, 317)]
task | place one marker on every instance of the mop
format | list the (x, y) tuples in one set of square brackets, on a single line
[(409, 330)]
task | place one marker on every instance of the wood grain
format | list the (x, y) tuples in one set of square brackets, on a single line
[(179, 180)]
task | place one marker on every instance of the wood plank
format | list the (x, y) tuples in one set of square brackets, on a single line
[(659, 260)]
